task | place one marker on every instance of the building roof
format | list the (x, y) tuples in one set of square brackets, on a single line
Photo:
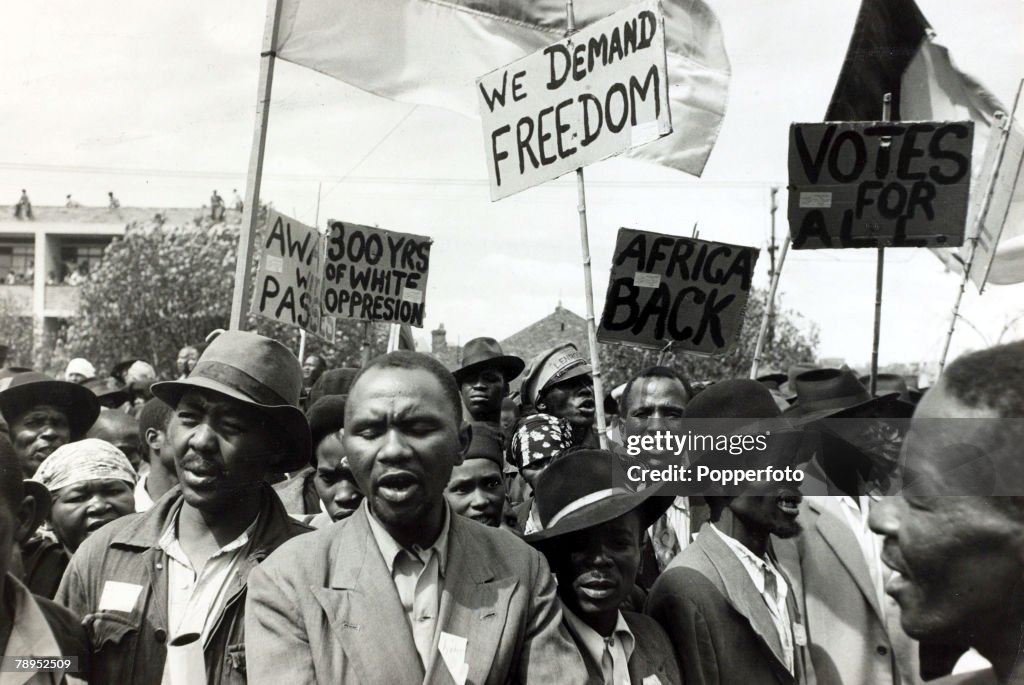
[(103, 215), (560, 326)]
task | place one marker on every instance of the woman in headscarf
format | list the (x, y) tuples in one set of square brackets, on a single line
[(91, 483)]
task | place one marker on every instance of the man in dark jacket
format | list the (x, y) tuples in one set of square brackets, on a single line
[(181, 567)]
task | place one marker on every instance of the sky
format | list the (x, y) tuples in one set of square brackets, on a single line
[(156, 101)]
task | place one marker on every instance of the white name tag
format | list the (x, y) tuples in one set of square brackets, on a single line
[(453, 653), (799, 634), (118, 596)]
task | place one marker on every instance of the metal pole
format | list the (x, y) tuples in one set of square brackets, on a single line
[(1004, 130), (581, 207), (879, 273), (768, 308), (251, 210)]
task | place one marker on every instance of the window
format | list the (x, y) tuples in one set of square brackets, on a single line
[(17, 260)]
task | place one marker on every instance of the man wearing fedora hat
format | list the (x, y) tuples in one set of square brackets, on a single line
[(558, 382), (592, 527), (182, 566), (861, 434), (476, 488), (484, 377), (30, 626), (724, 601), (43, 413), (405, 591)]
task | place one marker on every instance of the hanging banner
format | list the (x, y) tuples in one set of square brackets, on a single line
[(289, 273), (595, 94), (879, 184), (667, 289), (375, 275), (1004, 205)]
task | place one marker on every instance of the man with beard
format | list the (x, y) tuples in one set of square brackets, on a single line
[(476, 488), (958, 556), (404, 591), (724, 601), (181, 567), (484, 376), (42, 414), (559, 383)]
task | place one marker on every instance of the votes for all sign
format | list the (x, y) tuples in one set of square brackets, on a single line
[(667, 289), (287, 282), (592, 95), (879, 184), (375, 275)]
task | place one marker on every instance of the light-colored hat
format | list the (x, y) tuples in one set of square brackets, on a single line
[(259, 372), (555, 365), (81, 367)]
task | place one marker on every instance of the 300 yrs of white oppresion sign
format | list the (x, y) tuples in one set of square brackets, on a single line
[(592, 95)]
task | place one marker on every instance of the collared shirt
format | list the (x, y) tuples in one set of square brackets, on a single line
[(30, 637), (143, 502), (855, 515), (766, 577), (418, 575), (612, 652), (678, 516), (194, 599)]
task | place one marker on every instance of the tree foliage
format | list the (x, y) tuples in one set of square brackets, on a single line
[(791, 341)]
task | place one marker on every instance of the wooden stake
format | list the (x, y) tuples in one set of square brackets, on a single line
[(251, 210), (769, 306), (581, 207), (879, 273)]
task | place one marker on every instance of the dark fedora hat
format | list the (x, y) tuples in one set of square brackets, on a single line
[(31, 389), (483, 353), (586, 488), (259, 372), (888, 383), (736, 398), (486, 442), (837, 393), (108, 391)]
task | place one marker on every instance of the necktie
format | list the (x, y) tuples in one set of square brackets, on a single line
[(665, 542), (771, 586)]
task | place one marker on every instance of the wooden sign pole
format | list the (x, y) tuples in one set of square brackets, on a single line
[(879, 272)]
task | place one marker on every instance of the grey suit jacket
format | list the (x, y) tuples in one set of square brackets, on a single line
[(718, 622), (326, 610), (853, 640)]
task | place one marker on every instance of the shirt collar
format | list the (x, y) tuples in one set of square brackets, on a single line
[(755, 565), (171, 544), (31, 634), (593, 641), (390, 549)]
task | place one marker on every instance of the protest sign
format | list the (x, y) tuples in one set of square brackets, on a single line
[(592, 95), (667, 289), (288, 278), (375, 275), (879, 184)]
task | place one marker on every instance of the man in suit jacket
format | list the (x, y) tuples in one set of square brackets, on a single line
[(591, 537), (404, 591), (853, 628), (720, 623)]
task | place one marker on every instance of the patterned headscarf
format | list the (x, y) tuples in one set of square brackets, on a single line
[(538, 436), (88, 459)]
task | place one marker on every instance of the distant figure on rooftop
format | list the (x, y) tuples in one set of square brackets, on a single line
[(114, 202), (69, 203), (23, 210), (216, 207), (237, 200)]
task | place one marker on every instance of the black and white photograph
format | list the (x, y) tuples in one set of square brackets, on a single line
[(477, 342)]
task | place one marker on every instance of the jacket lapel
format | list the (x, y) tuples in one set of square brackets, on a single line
[(843, 542), (474, 606), (740, 591), (364, 611)]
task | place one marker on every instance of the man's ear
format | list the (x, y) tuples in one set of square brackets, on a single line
[(28, 519), (465, 437), (153, 437)]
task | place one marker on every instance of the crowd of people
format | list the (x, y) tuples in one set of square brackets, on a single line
[(257, 518)]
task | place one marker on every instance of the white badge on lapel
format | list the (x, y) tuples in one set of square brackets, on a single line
[(453, 653), (799, 634), (117, 596), (651, 680)]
